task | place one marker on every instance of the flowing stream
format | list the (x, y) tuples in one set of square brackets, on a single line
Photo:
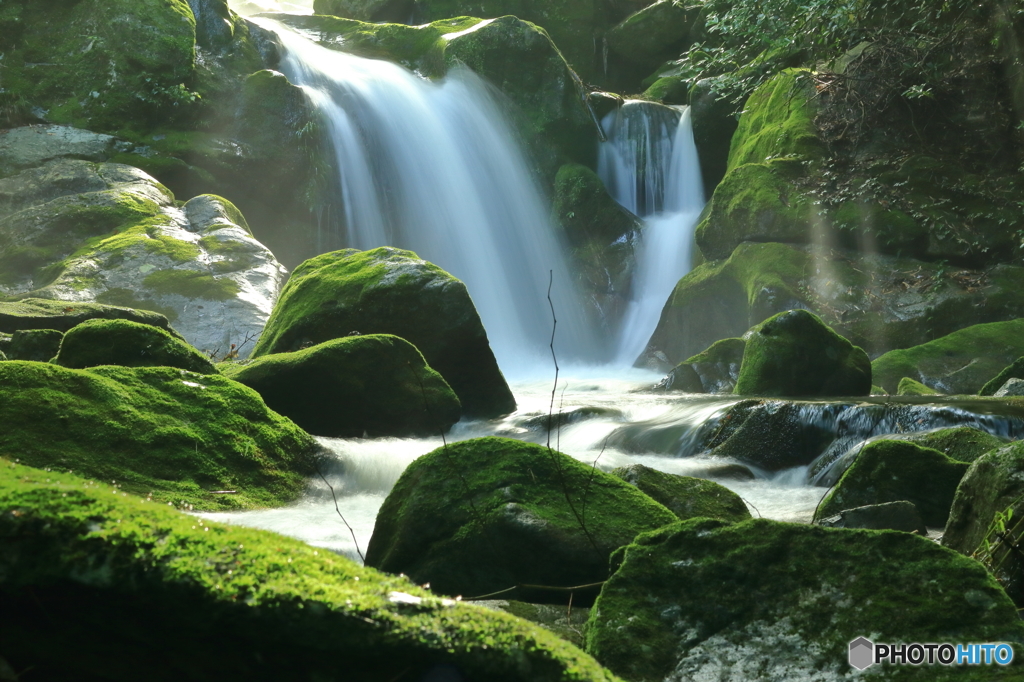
[(434, 167)]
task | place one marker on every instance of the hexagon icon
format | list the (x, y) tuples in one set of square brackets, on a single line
[(862, 653)]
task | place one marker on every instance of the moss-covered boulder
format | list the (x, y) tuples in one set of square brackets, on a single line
[(602, 235), (37, 345), (908, 386), (764, 600), (985, 520), (961, 362), (713, 370), (901, 515), (391, 291), (127, 343), (653, 35), (108, 62), (893, 470), (121, 584), (41, 313), (490, 514), (961, 443), (109, 233), (795, 354), (878, 302), (182, 437), (1015, 370), (374, 385), (684, 496)]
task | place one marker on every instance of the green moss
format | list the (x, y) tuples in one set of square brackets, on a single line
[(130, 299), (40, 313), (375, 385), (684, 496), (962, 443), (726, 350), (130, 344), (893, 470), (38, 345), (701, 596), (961, 362), (1014, 371), (191, 284), (908, 386), (160, 580), (164, 431), (487, 514), (795, 354)]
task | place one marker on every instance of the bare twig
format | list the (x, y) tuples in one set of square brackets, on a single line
[(338, 509)]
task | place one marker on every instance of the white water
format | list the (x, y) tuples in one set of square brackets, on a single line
[(435, 168), (650, 166)]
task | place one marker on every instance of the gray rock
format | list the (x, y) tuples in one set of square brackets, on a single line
[(30, 146), (901, 515), (1012, 387)]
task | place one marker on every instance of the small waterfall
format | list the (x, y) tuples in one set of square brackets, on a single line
[(435, 168), (649, 165)]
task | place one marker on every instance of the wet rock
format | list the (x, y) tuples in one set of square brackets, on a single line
[(795, 354), (769, 434), (1012, 387), (41, 313), (542, 422), (129, 344), (214, 25), (714, 370), (891, 471), (764, 600), (684, 496), (168, 585), (734, 472), (900, 515), (371, 385), (566, 623), (37, 345), (713, 127), (961, 362), (109, 233), (488, 514), (391, 291), (166, 432)]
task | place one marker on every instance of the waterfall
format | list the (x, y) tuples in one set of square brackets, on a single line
[(435, 168), (649, 165)]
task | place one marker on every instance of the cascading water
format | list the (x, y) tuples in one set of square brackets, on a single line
[(435, 168), (649, 165)]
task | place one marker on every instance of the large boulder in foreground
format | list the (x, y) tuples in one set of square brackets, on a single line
[(685, 496), (775, 602), (961, 362), (120, 584), (795, 354), (893, 470), (179, 436), (391, 291), (489, 514), (374, 385), (130, 344)]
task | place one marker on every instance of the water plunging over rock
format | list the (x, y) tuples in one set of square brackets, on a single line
[(650, 166)]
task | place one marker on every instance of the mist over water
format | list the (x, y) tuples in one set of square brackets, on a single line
[(434, 167), (649, 165)]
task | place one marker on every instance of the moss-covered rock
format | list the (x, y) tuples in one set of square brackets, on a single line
[(764, 600), (960, 362), (1014, 371), (656, 33), (961, 443), (901, 515), (602, 235), (177, 435), (489, 514), (878, 302), (99, 63), (129, 344), (992, 486), (34, 145), (391, 291), (795, 354), (121, 584), (908, 386), (40, 313), (684, 496), (893, 470), (37, 345), (713, 370), (375, 385)]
